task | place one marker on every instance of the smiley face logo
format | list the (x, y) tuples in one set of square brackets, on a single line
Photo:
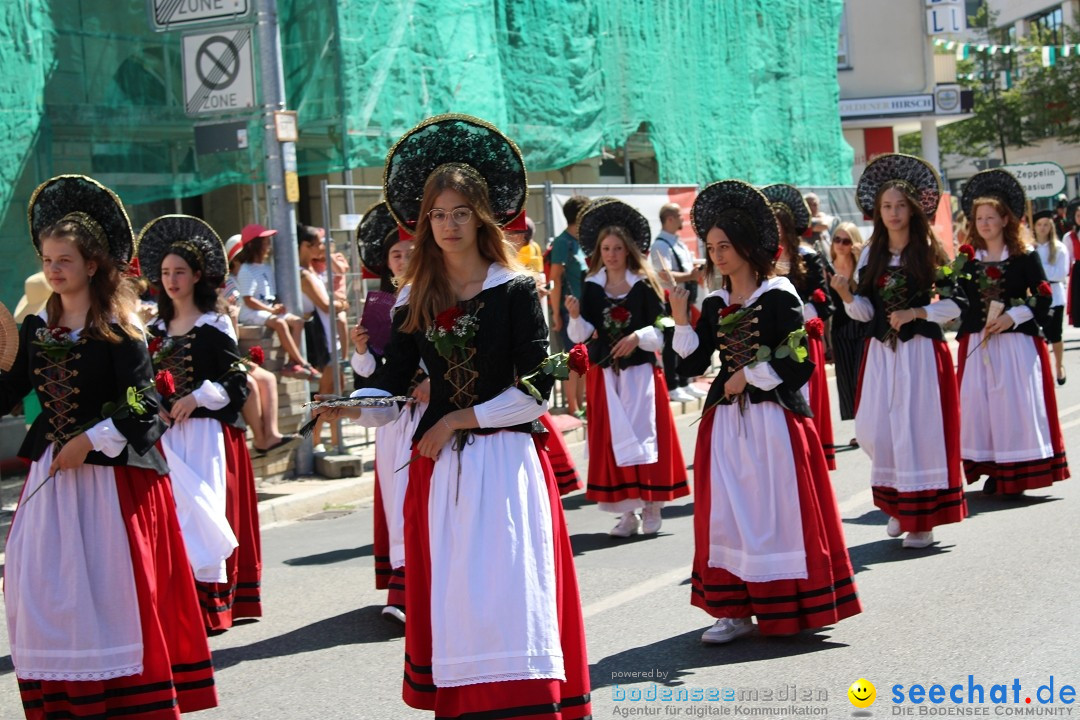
[(862, 693)]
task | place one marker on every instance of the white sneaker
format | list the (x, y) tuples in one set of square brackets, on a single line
[(629, 524), (893, 528), (727, 629), (393, 614), (919, 539), (680, 395), (696, 391), (650, 518), (319, 449)]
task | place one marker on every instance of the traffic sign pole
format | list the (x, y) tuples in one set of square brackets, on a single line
[(280, 212)]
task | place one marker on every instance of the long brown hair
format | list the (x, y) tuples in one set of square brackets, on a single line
[(789, 240), (922, 256), (634, 260), (111, 299), (430, 292), (1011, 232)]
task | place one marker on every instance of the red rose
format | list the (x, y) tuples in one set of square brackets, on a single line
[(993, 272), (58, 333), (729, 309), (817, 296), (815, 328), (155, 345), (446, 319), (257, 355), (883, 280), (1044, 289), (620, 314), (578, 359), (667, 294), (164, 384), (966, 249)]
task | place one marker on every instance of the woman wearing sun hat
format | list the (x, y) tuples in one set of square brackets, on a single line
[(1004, 366), (907, 414), (767, 536), (485, 539)]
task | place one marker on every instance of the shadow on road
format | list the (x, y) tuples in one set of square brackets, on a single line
[(889, 550), (978, 503), (6, 665), (333, 556), (678, 656), (355, 627)]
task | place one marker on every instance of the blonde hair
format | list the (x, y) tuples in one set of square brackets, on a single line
[(634, 260), (430, 291), (1051, 240), (857, 242)]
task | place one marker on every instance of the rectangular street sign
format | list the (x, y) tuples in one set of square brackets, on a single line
[(218, 75), (182, 14)]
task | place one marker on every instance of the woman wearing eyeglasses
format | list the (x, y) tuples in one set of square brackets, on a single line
[(848, 334), (494, 618)]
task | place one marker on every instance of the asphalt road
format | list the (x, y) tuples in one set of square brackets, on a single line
[(995, 599)]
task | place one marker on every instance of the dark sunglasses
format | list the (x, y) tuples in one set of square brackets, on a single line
[(842, 241)]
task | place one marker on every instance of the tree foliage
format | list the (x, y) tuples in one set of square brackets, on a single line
[(1017, 101)]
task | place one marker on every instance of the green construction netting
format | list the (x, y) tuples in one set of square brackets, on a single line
[(725, 88)]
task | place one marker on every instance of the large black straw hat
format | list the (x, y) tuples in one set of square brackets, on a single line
[(607, 211), (454, 140), (996, 183), (88, 203), (375, 234), (186, 236), (787, 198), (743, 212), (918, 176)]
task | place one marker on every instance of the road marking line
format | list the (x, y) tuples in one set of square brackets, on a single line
[(624, 596)]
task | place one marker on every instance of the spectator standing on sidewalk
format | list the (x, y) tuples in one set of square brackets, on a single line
[(567, 275), (674, 265)]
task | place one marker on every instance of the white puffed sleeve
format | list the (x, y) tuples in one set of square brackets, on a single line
[(508, 408)]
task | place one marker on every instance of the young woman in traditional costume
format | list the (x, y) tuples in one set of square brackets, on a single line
[(806, 271), (1055, 260), (102, 614), (1009, 427), (907, 415), (485, 541), (767, 536), (384, 250), (206, 444), (635, 461)]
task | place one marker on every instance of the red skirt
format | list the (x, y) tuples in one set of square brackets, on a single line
[(566, 474), (819, 400), (240, 595), (782, 607), (386, 576), (177, 672), (661, 481), (926, 509), (532, 699), (1016, 477)]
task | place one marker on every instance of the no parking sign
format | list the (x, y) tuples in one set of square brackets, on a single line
[(218, 75)]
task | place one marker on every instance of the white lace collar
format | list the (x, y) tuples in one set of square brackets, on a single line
[(496, 275), (600, 278), (780, 282), (216, 320)]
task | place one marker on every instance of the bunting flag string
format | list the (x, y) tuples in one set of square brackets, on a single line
[(1050, 53)]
